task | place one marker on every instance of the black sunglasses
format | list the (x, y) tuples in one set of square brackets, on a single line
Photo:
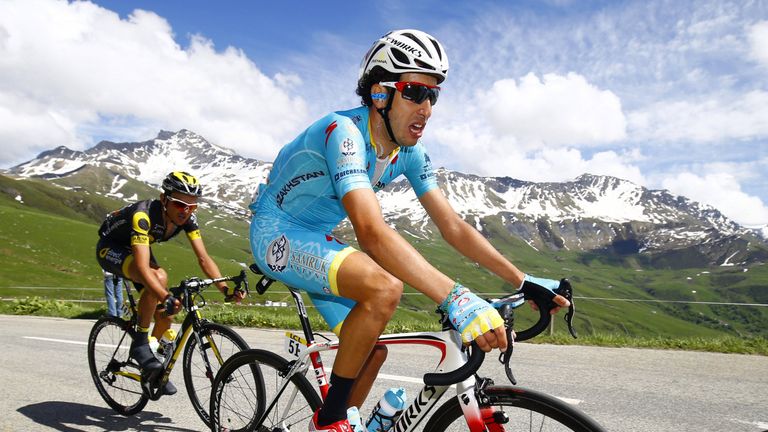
[(415, 92)]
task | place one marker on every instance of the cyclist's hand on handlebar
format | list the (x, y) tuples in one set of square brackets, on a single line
[(475, 319), (534, 283), (171, 305), (232, 294)]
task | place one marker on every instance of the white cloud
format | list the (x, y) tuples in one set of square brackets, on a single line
[(758, 39), (723, 192), (554, 111), (91, 69), (532, 130), (734, 117)]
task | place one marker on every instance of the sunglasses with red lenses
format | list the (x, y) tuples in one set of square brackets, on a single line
[(182, 205), (415, 92)]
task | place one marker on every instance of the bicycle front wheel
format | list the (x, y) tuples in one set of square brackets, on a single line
[(203, 361), (252, 384), (515, 409), (116, 375)]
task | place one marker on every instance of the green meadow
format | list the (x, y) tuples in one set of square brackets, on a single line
[(47, 250)]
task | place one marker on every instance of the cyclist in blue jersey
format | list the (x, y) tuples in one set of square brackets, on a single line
[(332, 171)]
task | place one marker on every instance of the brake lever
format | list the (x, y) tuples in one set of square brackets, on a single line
[(507, 313), (566, 290)]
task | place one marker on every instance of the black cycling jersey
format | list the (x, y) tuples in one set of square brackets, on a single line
[(142, 223)]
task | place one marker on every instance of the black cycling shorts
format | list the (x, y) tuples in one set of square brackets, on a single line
[(116, 258)]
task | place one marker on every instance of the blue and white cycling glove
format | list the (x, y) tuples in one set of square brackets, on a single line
[(549, 284), (539, 289), (469, 314)]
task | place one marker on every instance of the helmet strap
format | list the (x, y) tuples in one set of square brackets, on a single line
[(384, 112)]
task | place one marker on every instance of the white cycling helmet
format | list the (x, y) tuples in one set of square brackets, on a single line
[(403, 51)]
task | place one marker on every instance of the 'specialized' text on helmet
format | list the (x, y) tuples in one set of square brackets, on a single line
[(403, 51), (182, 182)]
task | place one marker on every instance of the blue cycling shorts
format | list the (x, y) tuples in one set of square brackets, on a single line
[(306, 260)]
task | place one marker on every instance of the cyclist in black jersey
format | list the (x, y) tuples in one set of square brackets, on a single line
[(124, 249)]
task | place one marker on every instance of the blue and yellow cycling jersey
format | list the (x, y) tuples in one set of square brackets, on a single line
[(335, 155)]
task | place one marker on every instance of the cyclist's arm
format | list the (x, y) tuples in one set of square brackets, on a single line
[(389, 249), (207, 264), (470, 243), (146, 276), (466, 239)]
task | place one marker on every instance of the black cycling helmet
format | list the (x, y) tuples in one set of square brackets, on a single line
[(182, 182)]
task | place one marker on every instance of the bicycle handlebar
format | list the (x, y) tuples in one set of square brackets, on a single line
[(543, 298), (468, 369), (195, 285)]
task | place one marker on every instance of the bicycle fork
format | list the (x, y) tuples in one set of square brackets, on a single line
[(485, 418)]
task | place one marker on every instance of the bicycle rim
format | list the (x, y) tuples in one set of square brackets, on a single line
[(218, 344), (513, 409), (116, 376), (245, 387)]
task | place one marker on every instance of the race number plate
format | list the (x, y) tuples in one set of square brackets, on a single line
[(294, 344)]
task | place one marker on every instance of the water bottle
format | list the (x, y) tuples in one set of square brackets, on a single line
[(166, 342), (154, 345), (125, 311), (353, 415), (387, 410)]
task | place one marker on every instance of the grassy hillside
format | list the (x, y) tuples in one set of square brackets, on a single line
[(48, 240)]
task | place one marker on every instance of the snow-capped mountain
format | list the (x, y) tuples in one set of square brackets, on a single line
[(588, 213), (228, 178)]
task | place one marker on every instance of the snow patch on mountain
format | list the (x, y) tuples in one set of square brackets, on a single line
[(589, 212)]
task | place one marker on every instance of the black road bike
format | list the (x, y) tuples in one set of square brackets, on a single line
[(205, 345)]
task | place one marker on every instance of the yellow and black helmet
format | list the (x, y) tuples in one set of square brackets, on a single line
[(182, 182)]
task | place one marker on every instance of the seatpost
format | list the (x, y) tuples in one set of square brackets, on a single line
[(303, 317), (317, 361)]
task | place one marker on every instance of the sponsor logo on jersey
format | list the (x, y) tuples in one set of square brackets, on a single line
[(329, 131), (347, 147), (341, 174), (295, 182), (278, 253)]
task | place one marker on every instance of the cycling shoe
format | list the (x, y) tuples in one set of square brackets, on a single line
[(169, 389), (145, 358)]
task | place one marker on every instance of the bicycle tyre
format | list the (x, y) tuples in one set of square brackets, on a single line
[(197, 379), (525, 409), (239, 398), (116, 376)]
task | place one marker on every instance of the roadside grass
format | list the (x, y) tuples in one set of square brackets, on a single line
[(404, 321)]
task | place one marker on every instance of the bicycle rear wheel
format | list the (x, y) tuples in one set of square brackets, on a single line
[(117, 377), (240, 397), (515, 409), (202, 362)]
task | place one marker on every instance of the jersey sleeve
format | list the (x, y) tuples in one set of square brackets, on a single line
[(345, 155), (140, 228), (192, 228), (419, 170)]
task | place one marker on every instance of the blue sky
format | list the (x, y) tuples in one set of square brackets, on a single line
[(668, 94)]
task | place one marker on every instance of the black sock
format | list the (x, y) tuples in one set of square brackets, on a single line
[(335, 405), (141, 336)]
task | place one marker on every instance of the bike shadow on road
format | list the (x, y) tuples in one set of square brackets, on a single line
[(75, 417)]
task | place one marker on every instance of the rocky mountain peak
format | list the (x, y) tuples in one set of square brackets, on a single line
[(590, 212)]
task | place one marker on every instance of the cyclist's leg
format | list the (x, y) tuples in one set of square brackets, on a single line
[(319, 263), (118, 259), (335, 310)]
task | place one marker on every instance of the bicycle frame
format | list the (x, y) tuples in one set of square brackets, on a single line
[(453, 356), (190, 325)]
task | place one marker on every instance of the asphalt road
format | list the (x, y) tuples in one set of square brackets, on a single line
[(46, 384)]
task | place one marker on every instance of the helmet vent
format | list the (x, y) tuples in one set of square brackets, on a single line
[(400, 56), (423, 65), (416, 39)]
